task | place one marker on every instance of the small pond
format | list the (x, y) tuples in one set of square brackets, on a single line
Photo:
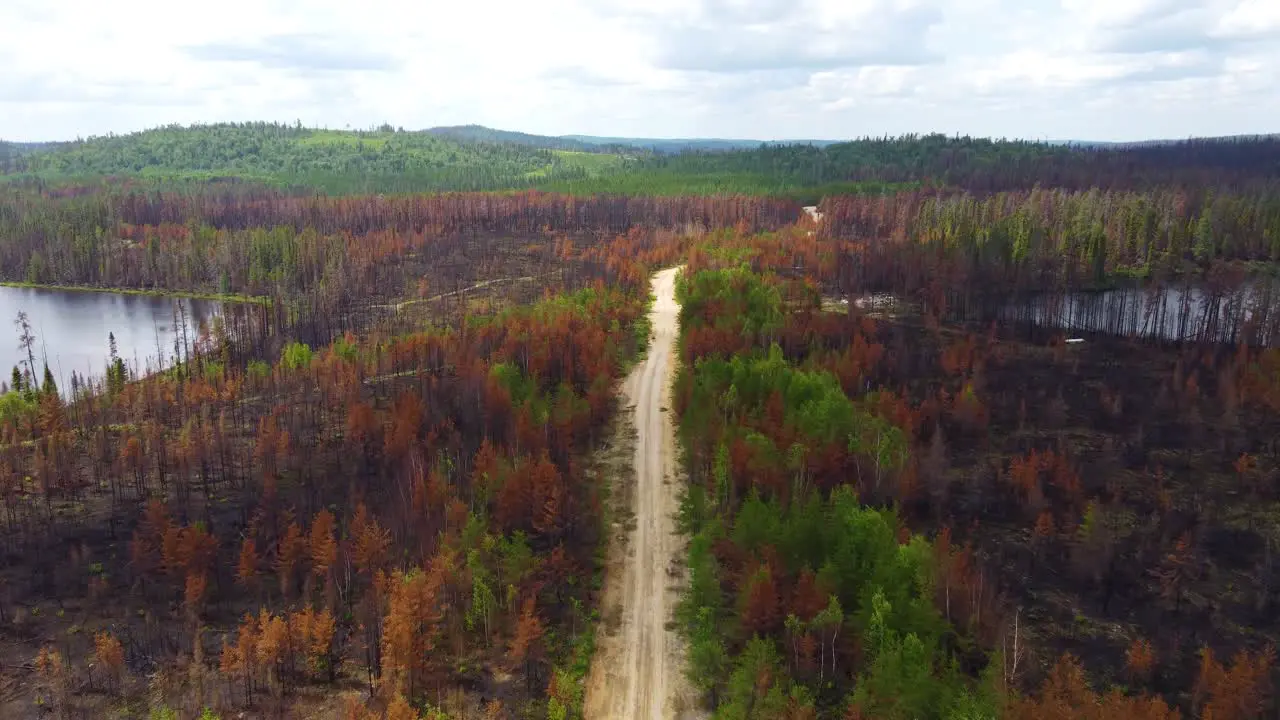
[(71, 329)]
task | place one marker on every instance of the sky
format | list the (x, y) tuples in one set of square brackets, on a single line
[(761, 69)]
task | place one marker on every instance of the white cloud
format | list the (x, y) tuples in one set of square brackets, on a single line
[(1251, 18), (1093, 69)]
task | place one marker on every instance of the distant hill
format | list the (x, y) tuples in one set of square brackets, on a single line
[(383, 160), (675, 145), (1123, 144), (473, 157), (596, 143), (30, 146), (10, 149), (10, 152), (480, 133)]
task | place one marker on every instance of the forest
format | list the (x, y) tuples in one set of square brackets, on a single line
[(894, 515), (990, 434), (339, 162), (473, 158), (291, 526)]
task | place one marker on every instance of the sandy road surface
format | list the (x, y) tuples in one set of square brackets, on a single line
[(638, 671)]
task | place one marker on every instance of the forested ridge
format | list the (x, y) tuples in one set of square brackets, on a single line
[(480, 133), (384, 160), (475, 158)]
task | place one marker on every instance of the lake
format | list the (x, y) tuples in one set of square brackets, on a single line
[(1183, 314), (71, 329)]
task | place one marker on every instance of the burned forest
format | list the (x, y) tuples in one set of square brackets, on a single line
[(964, 429)]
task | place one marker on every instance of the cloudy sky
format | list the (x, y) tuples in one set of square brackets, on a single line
[(1083, 69)]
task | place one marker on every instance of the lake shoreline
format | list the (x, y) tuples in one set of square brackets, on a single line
[(81, 331), (193, 295)]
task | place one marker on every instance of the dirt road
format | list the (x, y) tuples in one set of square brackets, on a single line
[(638, 671), (462, 291)]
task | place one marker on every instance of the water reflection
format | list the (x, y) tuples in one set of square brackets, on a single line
[(71, 329), (1169, 313)]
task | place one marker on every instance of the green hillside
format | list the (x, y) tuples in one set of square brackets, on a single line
[(480, 133), (469, 158), (384, 160), (678, 145), (601, 144), (464, 158)]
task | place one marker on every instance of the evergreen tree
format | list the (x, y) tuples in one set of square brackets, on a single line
[(50, 387)]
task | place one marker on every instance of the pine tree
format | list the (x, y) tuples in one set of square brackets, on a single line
[(526, 643), (289, 555), (370, 542), (324, 549), (761, 611), (1139, 660), (247, 567), (109, 655), (400, 709), (708, 658), (50, 387)]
